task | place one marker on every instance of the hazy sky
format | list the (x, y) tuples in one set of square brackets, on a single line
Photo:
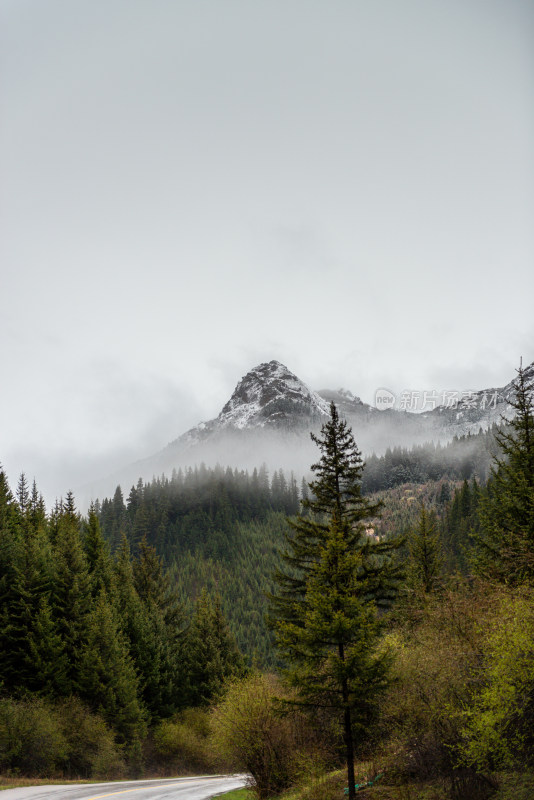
[(189, 188)]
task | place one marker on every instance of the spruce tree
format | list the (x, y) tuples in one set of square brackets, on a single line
[(37, 510), (505, 542), (71, 593), (161, 647), (107, 679), (98, 557), (10, 558), (25, 582), (46, 656), (425, 553), (119, 523), (211, 653), (141, 633), (336, 577)]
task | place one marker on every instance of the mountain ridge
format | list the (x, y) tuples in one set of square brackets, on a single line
[(271, 412)]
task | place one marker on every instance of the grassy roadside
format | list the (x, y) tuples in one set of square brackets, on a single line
[(332, 785), (238, 794), (17, 783)]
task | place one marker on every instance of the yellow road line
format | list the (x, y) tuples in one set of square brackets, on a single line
[(126, 791)]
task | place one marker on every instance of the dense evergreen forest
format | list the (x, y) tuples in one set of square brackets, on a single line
[(107, 631), (222, 529), (196, 510), (215, 529)]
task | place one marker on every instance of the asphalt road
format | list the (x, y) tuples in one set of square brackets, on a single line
[(165, 789)]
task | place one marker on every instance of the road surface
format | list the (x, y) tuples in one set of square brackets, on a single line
[(164, 789)]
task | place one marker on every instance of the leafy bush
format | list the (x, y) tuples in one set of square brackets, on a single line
[(462, 703), (181, 743), (31, 741), (437, 653), (91, 751), (38, 738), (252, 734), (499, 723)]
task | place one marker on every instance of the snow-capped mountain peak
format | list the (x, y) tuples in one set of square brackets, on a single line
[(270, 394)]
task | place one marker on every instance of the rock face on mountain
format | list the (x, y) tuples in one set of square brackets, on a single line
[(271, 395), (471, 411)]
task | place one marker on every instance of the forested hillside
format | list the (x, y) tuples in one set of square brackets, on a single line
[(222, 529), (215, 529), (196, 510), (105, 632)]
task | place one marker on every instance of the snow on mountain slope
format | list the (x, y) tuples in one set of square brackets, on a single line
[(475, 410), (269, 398), (346, 402), (270, 394)]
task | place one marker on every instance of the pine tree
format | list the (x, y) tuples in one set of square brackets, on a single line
[(98, 557), (106, 678), (505, 541), (10, 550), (37, 510), (335, 663), (211, 653), (119, 518), (140, 633), (23, 493), (25, 583), (48, 661), (71, 593), (160, 648), (425, 553), (325, 612), (141, 526)]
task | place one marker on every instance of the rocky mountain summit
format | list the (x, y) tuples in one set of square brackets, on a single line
[(271, 395)]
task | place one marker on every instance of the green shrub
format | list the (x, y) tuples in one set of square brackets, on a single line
[(449, 703), (251, 734), (31, 741), (435, 656), (181, 743), (499, 721), (41, 739), (91, 751)]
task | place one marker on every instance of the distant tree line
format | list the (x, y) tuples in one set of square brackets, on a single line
[(464, 457), (197, 510)]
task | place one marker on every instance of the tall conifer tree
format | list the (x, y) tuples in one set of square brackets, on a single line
[(71, 594), (425, 553), (107, 679), (325, 612), (505, 541)]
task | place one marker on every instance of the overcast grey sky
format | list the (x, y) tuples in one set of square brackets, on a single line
[(191, 187)]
